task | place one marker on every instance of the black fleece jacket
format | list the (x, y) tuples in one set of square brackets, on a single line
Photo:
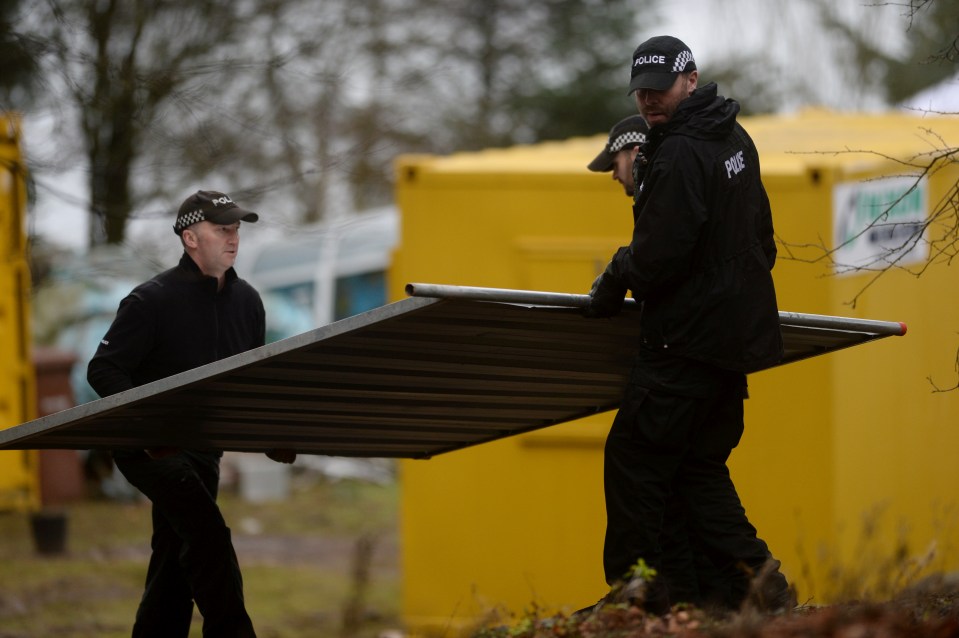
[(702, 246), (175, 322)]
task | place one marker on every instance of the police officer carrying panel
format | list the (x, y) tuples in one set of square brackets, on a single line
[(193, 314), (691, 575), (699, 260)]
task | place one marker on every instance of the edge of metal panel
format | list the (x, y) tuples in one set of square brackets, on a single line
[(850, 324), (151, 390), (505, 295), (535, 297)]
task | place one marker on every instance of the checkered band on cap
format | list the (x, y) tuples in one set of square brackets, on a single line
[(629, 137), (193, 217), (210, 206), (682, 60)]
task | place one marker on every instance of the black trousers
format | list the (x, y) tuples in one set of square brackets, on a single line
[(193, 557), (670, 499)]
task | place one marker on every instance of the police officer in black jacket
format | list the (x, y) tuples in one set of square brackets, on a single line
[(699, 260), (193, 314), (691, 575)]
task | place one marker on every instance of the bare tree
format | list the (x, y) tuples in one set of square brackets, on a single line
[(310, 103), (928, 17), (19, 59), (522, 72), (935, 28), (118, 63), (346, 90), (902, 238), (848, 56), (928, 57)]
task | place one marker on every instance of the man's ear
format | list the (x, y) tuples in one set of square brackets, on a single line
[(189, 238)]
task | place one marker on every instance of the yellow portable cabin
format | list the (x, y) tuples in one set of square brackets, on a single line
[(19, 474), (847, 464)]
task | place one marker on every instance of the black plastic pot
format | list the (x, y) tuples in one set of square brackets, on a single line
[(49, 532)]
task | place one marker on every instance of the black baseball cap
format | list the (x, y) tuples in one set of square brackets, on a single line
[(657, 62), (211, 206), (626, 133)]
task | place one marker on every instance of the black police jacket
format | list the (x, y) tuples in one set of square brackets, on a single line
[(175, 322), (702, 245)]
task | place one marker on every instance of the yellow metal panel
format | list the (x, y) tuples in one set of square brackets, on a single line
[(828, 441), (468, 515), (19, 470), (896, 434)]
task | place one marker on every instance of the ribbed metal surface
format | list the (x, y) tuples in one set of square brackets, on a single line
[(413, 379)]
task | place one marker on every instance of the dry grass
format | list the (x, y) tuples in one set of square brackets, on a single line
[(929, 609), (296, 555), (301, 579)]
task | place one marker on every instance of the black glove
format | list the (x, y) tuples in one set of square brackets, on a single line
[(607, 293)]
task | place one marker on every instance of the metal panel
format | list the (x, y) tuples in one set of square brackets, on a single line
[(447, 368)]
